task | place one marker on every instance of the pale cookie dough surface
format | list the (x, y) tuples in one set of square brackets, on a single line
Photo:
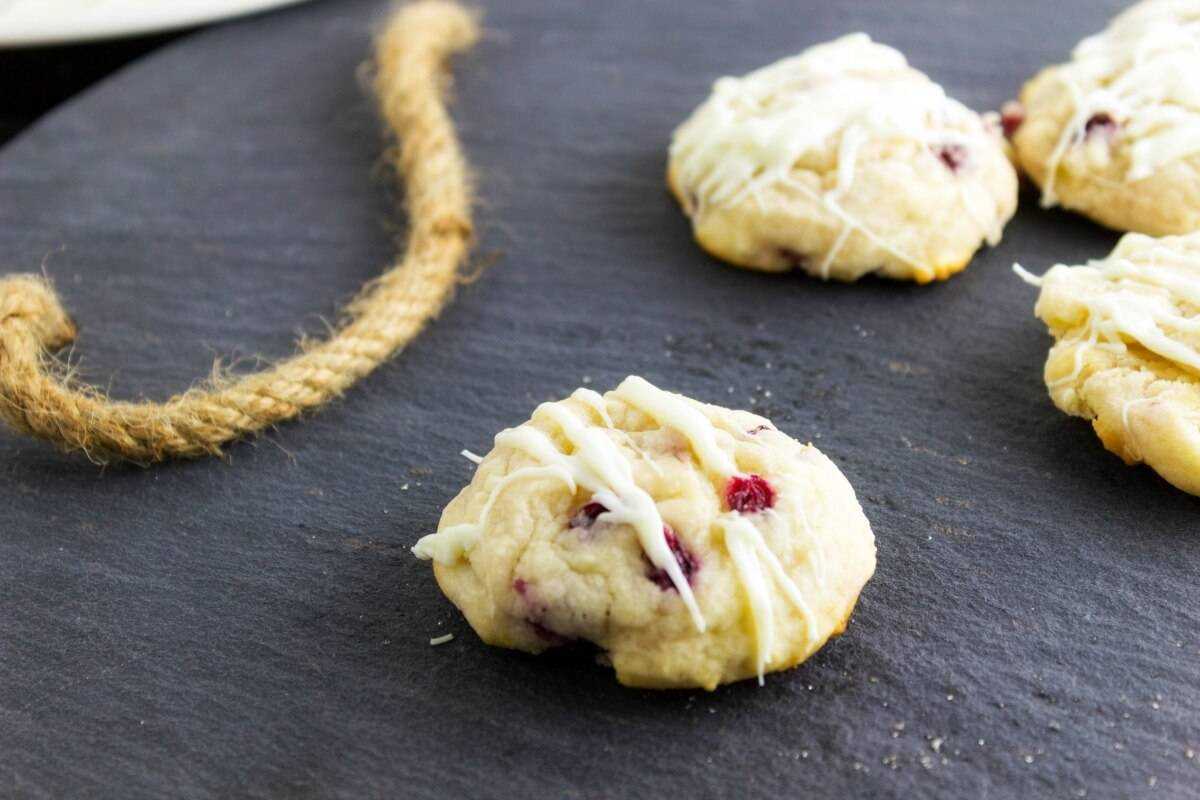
[(1127, 355), (693, 544), (1115, 133), (842, 161)]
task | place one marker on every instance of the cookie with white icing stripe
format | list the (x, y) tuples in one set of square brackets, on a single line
[(1115, 132), (693, 544), (1127, 355), (842, 161)]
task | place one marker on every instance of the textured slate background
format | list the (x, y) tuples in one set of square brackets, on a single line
[(34, 80), (257, 627)]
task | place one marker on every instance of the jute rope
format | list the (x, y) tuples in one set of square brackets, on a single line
[(38, 397)]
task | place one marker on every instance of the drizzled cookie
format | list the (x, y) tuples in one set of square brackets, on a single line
[(1127, 350), (694, 545), (842, 161), (1115, 132)]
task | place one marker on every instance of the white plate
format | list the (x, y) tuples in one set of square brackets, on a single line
[(38, 22)]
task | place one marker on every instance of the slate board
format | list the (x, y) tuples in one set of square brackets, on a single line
[(258, 628)]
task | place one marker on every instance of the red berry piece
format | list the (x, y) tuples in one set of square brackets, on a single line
[(537, 611), (749, 494), (585, 516), (687, 561), (548, 636), (793, 258), (954, 156), (1100, 124), (1012, 114)]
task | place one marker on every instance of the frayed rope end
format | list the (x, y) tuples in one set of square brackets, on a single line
[(29, 303)]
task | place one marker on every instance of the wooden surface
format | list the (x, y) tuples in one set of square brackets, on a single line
[(257, 627)]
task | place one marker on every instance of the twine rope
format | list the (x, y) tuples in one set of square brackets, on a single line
[(39, 398)]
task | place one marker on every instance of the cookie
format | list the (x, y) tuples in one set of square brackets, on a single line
[(841, 161), (694, 545), (1127, 351), (1115, 132)]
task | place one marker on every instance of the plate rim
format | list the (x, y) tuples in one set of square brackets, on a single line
[(158, 17)]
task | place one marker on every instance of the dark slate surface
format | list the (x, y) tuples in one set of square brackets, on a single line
[(34, 80), (258, 627)]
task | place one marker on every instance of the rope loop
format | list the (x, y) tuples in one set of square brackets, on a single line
[(38, 397)]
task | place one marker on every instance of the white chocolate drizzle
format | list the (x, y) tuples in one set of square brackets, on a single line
[(753, 130), (596, 402), (595, 464), (450, 544), (749, 552), (674, 412), (1132, 445), (592, 399), (816, 551), (1141, 71), (1147, 291)]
